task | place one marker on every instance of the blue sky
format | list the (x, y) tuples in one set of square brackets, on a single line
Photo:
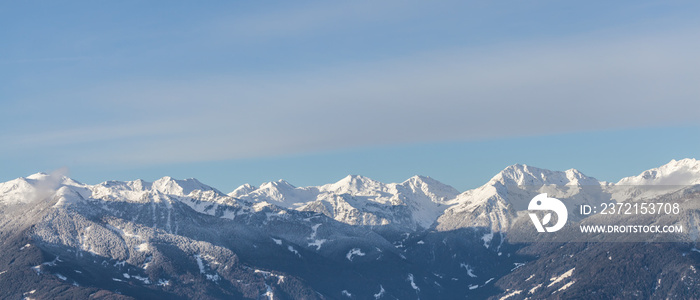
[(240, 91)]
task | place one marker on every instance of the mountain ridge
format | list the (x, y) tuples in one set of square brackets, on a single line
[(175, 238), (419, 201)]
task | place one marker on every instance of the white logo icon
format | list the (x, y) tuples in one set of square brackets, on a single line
[(541, 202)]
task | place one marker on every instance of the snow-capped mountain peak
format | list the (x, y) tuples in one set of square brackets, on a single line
[(242, 190), (53, 180), (66, 196), (676, 172), (354, 185), (38, 176), (358, 199), (35, 187), (16, 191), (279, 184), (495, 204), (280, 193), (575, 177), (168, 185), (437, 191), (528, 175), (136, 189), (419, 201)]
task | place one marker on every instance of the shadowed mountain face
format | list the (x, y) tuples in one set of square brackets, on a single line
[(357, 239)]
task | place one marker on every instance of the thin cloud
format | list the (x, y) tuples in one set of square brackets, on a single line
[(507, 90)]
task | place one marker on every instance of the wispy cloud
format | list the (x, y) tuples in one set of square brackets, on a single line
[(535, 88)]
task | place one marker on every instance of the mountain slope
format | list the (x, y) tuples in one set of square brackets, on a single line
[(161, 240), (355, 238)]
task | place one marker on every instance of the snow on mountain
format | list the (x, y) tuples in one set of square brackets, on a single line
[(671, 177), (359, 200), (527, 175), (495, 204), (280, 193), (170, 186), (170, 233), (66, 196), (16, 191), (358, 186), (36, 187), (676, 172), (430, 199), (418, 202), (242, 190), (66, 191), (196, 195), (138, 190)]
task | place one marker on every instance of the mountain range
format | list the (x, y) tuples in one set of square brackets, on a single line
[(357, 238)]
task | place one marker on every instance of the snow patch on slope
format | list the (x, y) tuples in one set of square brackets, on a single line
[(354, 252), (413, 283), (381, 292), (555, 280), (511, 294)]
